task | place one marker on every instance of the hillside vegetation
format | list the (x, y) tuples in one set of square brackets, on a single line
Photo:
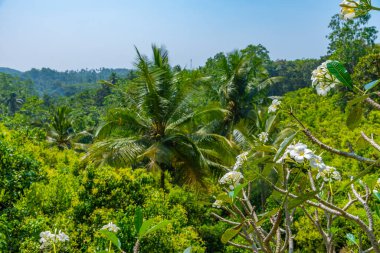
[(243, 154)]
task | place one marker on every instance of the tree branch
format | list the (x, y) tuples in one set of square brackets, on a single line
[(370, 141), (373, 103)]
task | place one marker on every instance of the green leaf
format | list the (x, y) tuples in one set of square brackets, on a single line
[(361, 143), (357, 100), (340, 72), (363, 172), (111, 237), (147, 227), (377, 210), (351, 238), (284, 145), (371, 85), (138, 219), (377, 195), (238, 189), (354, 116), (188, 250), (266, 216), (231, 233)]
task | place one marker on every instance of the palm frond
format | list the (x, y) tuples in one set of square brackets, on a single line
[(116, 152), (121, 120)]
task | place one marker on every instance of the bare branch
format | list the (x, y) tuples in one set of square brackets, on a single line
[(370, 141), (336, 151), (328, 148), (240, 246), (373, 103), (225, 220)]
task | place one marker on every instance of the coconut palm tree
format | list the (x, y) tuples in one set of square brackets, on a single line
[(61, 130), (62, 134), (159, 129), (243, 79)]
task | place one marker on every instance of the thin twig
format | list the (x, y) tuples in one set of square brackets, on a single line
[(373, 103), (370, 141)]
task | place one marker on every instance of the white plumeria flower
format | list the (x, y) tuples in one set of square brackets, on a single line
[(62, 237), (300, 152), (348, 9), (274, 106), (329, 174), (240, 160), (217, 203), (322, 80), (316, 162), (263, 137), (111, 227), (323, 89), (286, 154), (232, 178), (48, 239)]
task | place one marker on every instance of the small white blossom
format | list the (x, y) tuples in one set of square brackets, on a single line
[(263, 137), (316, 162), (62, 237), (232, 178), (300, 152), (274, 106), (329, 174), (286, 154), (348, 9), (240, 160), (322, 80), (323, 89), (48, 239), (217, 203), (111, 227)]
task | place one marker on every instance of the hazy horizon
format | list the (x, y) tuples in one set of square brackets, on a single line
[(72, 35)]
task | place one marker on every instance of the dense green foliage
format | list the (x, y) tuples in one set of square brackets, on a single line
[(148, 150), (52, 82)]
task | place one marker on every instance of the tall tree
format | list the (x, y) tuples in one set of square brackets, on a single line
[(350, 39), (157, 128), (241, 78)]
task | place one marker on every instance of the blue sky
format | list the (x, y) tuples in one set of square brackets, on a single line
[(75, 34)]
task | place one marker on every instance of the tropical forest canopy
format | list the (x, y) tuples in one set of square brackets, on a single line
[(243, 154)]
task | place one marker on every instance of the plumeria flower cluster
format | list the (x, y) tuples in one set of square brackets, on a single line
[(274, 106), (300, 153), (263, 137), (217, 203), (348, 9), (48, 239), (240, 159), (234, 177), (231, 178), (351, 9), (111, 227), (322, 80), (329, 174)]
